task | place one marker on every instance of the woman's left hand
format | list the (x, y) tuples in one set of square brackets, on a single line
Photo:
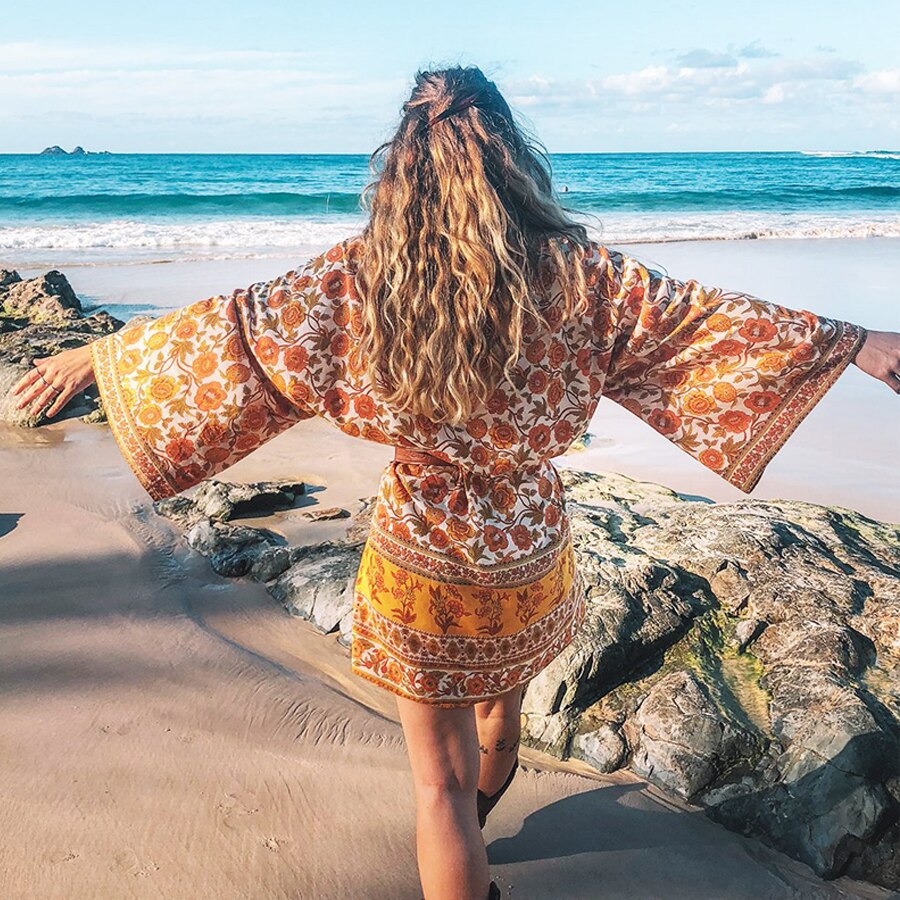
[(54, 380), (879, 357)]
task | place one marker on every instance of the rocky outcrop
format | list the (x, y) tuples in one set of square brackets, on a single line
[(232, 549), (680, 738), (314, 582), (318, 586), (56, 150), (48, 299), (746, 653), (221, 501), (40, 317), (743, 656)]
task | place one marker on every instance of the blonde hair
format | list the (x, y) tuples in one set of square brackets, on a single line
[(462, 221)]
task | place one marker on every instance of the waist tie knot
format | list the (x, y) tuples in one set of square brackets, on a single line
[(419, 457), (500, 470)]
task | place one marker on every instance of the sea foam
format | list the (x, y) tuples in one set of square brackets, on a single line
[(254, 237)]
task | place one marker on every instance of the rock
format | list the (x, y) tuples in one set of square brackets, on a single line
[(56, 150), (345, 628), (270, 563), (603, 748), (638, 607), (221, 501), (319, 585), (41, 317), (96, 416), (747, 630), (47, 299), (181, 509), (795, 739), (322, 515), (680, 738), (730, 585), (313, 582), (580, 444), (224, 500), (826, 819), (231, 549), (358, 529), (8, 277)]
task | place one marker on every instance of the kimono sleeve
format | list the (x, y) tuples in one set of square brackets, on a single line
[(724, 375), (190, 393)]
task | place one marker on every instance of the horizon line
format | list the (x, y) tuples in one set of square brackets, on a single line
[(369, 153)]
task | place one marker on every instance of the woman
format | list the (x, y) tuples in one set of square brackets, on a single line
[(474, 326)]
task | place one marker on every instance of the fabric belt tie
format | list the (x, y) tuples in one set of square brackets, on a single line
[(418, 457)]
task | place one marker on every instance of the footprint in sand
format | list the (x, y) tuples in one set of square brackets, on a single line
[(149, 869), (122, 730), (126, 860), (61, 856), (236, 807)]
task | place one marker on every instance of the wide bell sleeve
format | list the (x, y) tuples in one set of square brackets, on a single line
[(725, 376), (192, 392)]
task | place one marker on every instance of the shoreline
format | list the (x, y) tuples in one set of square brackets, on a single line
[(128, 257)]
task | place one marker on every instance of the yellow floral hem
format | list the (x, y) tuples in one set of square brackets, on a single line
[(458, 670), (433, 606), (117, 410)]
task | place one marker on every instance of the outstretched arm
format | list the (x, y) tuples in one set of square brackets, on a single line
[(194, 391), (724, 375)]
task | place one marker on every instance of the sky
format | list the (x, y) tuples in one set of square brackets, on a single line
[(284, 76)]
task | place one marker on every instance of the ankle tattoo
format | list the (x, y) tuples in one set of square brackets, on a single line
[(501, 745)]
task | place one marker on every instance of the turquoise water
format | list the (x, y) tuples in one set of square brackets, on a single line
[(122, 207)]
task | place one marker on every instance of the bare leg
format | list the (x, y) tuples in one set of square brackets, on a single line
[(498, 721), (443, 754)]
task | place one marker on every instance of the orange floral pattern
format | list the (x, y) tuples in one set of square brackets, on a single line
[(468, 585), (723, 375)]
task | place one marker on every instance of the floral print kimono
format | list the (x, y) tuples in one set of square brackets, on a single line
[(468, 584)]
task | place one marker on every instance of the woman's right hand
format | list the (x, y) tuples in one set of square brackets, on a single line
[(54, 380), (879, 357)]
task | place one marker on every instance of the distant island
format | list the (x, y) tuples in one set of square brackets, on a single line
[(56, 150)]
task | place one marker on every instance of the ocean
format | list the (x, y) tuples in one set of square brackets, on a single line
[(108, 209)]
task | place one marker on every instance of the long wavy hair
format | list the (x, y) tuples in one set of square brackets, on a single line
[(462, 221)]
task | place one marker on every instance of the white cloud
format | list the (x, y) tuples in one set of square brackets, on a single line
[(887, 81), (763, 101), (700, 79), (651, 80), (706, 59), (175, 82), (32, 57), (754, 50)]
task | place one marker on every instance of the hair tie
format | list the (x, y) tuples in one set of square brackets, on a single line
[(454, 108)]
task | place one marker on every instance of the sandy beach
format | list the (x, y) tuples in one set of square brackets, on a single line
[(168, 733)]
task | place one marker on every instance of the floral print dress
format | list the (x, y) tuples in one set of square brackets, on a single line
[(468, 584)]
